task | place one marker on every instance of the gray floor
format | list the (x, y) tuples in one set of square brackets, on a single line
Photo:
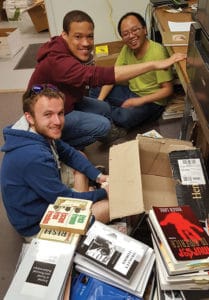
[(10, 242)]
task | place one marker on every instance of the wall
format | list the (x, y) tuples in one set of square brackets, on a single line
[(105, 13)]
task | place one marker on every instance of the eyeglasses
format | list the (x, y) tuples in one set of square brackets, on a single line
[(134, 31), (37, 89)]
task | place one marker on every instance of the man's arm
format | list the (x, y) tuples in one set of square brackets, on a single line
[(165, 91), (105, 90), (126, 72), (123, 73)]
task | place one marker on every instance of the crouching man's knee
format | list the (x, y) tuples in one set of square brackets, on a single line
[(100, 210)]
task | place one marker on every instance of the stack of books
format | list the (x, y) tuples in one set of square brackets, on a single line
[(44, 270), (174, 109), (181, 247), (115, 258)]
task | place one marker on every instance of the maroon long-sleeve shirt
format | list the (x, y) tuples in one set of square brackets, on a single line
[(56, 65)]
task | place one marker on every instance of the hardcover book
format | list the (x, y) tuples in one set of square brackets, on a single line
[(71, 215), (43, 271), (182, 237), (111, 250), (191, 177)]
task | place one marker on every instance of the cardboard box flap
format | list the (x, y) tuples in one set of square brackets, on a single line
[(158, 191), (141, 175), (155, 154), (125, 190)]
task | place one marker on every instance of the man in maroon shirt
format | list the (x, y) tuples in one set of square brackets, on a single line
[(64, 62)]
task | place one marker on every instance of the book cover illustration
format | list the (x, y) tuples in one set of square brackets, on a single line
[(67, 218), (192, 186), (112, 250), (74, 202), (186, 237)]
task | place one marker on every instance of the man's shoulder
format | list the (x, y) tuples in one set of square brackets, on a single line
[(157, 50)]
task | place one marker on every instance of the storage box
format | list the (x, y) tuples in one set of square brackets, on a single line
[(38, 16), (141, 175), (110, 55), (10, 42)]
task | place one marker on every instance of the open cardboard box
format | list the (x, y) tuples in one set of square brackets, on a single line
[(141, 175), (37, 13)]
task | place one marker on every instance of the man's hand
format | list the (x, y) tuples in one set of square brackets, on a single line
[(166, 63), (131, 102)]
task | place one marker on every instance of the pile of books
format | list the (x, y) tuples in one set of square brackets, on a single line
[(44, 271), (115, 258), (174, 109), (181, 247)]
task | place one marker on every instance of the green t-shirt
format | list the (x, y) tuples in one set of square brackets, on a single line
[(149, 82)]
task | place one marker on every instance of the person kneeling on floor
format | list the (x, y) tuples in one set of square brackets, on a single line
[(31, 167)]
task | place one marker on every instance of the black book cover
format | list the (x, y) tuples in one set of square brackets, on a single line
[(192, 186)]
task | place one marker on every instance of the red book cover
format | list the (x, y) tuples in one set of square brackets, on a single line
[(185, 235)]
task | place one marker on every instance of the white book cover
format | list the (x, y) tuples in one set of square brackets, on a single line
[(42, 271), (136, 286), (113, 251)]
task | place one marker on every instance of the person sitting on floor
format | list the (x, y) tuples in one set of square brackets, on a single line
[(64, 62), (31, 167), (145, 96)]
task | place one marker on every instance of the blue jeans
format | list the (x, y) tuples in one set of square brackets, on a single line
[(87, 123), (128, 117)]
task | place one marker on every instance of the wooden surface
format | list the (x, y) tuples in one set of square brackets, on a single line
[(161, 18)]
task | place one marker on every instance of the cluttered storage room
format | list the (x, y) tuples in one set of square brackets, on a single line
[(104, 188)]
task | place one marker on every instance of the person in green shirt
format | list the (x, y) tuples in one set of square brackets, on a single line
[(145, 96)]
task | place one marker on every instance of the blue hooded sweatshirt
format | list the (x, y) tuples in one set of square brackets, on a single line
[(30, 178)]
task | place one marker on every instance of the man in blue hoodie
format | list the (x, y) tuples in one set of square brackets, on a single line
[(30, 173)]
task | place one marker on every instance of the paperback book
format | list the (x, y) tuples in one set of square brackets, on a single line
[(180, 234), (112, 250), (115, 258), (43, 271), (85, 287), (196, 280), (135, 286), (71, 215)]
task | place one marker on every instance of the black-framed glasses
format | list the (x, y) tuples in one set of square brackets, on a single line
[(134, 31), (38, 88)]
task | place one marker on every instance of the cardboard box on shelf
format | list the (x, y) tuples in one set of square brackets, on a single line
[(141, 175), (38, 16), (108, 58), (10, 42)]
